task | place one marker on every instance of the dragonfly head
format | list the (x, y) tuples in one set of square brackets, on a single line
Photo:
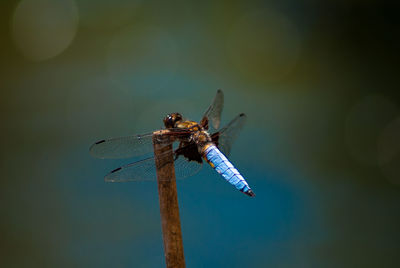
[(171, 120)]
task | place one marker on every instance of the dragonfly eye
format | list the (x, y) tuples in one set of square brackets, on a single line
[(178, 117), (168, 121), (171, 120)]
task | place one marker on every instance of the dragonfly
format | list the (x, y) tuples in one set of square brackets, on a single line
[(194, 142)]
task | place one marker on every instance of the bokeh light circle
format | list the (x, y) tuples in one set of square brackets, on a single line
[(363, 126), (42, 29), (264, 45)]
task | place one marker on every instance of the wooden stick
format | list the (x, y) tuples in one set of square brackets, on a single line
[(169, 209)]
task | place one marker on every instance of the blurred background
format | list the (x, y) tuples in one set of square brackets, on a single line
[(317, 79)]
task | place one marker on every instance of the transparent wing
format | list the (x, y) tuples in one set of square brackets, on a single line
[(123, 147), (145, 170), (185, 168), (212, 117), (142, 170), (228, 134), (131, 146)]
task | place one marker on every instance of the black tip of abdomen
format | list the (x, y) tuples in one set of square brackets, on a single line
[(250, 193)]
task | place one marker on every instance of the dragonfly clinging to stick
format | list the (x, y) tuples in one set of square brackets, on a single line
[(197, 142)]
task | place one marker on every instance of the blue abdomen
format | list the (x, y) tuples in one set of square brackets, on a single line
[(222, 165)]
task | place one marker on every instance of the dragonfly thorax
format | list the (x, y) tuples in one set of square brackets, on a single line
[(201, 138)]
